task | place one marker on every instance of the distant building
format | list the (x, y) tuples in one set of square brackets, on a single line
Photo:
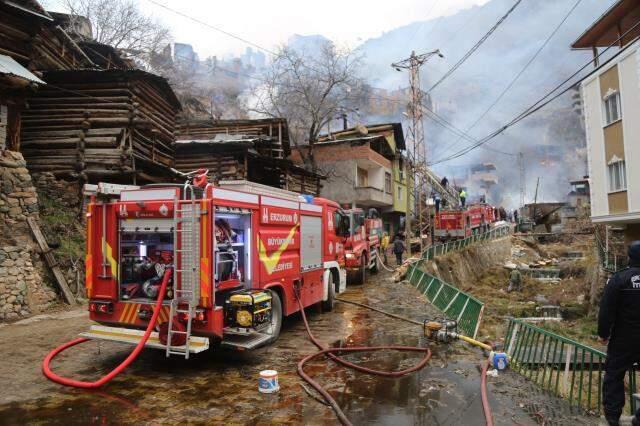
[(578, 202), (364, 167), (611, 97)]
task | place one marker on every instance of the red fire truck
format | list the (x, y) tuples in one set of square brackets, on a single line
[(240, 255), (362, 246), (462, 223)]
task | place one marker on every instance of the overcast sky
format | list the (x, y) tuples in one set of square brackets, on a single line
[(269, 23)]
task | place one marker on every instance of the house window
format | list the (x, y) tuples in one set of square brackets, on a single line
[(401, 169), (363, 177), (612, 108), (399, 193), (617, 172), (387, 182)]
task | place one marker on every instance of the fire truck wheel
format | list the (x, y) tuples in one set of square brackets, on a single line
[(362, 271), (327, 305), (276, 318)]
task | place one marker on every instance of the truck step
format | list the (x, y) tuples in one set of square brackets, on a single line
[(132, 337), (247, 342)]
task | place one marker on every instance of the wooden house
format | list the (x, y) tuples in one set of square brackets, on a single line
[(101, 124), (253, 150)]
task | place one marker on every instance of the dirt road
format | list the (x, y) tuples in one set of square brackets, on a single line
[(217, 387)]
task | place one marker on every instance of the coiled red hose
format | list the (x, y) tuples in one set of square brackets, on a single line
[(124, 364), (488, 417), (329, 352)]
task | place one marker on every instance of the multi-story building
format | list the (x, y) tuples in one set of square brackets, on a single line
[(611, 97), (364, 167)]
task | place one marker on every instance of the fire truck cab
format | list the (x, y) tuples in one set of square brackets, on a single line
[(362, 246), (240, 254)]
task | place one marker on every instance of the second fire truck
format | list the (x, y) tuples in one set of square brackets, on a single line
[(462, 223), (362, 246)]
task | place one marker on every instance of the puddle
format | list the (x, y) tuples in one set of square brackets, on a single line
[(221, 387)]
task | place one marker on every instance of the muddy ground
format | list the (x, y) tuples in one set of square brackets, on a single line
[(221, 386)]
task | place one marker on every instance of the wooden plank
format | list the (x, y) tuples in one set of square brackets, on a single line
[(51, 262)]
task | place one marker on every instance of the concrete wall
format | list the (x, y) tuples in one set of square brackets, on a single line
[(463, 267)]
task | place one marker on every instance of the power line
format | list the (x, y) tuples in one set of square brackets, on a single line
[(542, 102), (220, 30), (518, 75), (475, 47)]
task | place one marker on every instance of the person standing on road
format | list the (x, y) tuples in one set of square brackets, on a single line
[(619, 329), (463, 197), (398, 248), (384, 245)]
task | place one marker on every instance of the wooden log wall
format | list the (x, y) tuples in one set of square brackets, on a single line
[(273, 133), (105, 129), (222, 165), (37, 44)]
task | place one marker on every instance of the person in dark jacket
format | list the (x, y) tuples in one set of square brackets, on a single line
[(398, 248), (619, 329)]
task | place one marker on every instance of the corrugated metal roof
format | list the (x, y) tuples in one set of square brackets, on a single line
[(8, 65)]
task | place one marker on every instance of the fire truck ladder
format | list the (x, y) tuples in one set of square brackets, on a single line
[(186, 230)]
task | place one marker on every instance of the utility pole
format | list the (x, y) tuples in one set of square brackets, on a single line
[(523, 182), (416, 163)]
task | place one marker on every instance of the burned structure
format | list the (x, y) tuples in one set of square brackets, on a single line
[(101, 124), (252, 150)]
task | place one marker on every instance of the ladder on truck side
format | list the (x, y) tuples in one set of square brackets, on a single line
[(186, 274)]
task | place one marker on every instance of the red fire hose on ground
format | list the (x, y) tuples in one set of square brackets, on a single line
[(488, 417), (132, 356), (329, 352)]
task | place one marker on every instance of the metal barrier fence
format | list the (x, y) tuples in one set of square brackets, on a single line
[(562, 366), (454, 303), (541, 273), (609, 261), (440, 249)]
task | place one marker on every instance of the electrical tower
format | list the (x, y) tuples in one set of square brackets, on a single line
[(417, 155)]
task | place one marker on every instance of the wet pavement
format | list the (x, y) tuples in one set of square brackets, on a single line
[(221, 386)]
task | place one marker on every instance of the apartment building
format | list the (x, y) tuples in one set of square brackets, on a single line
[(364, 167), (611, 96)]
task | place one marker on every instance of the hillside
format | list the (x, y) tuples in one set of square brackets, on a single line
[(474, 86)]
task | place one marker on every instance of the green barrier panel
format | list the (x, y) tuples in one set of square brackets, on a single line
[(562, 366), (449, 300), (444, 248)]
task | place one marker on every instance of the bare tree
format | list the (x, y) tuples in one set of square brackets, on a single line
[(310, 92), (121, 24)]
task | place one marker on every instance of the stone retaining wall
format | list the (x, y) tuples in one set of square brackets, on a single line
[(22, 288)]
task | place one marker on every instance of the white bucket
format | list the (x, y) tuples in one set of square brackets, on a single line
[(268, 382)]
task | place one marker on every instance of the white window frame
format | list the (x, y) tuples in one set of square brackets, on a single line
[(399, 193), (616, 175), (611, 98), (388, 184)]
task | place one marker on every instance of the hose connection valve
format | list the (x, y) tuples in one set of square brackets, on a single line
[(441, 329)]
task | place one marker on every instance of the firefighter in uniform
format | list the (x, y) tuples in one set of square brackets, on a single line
[(619, 328)]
